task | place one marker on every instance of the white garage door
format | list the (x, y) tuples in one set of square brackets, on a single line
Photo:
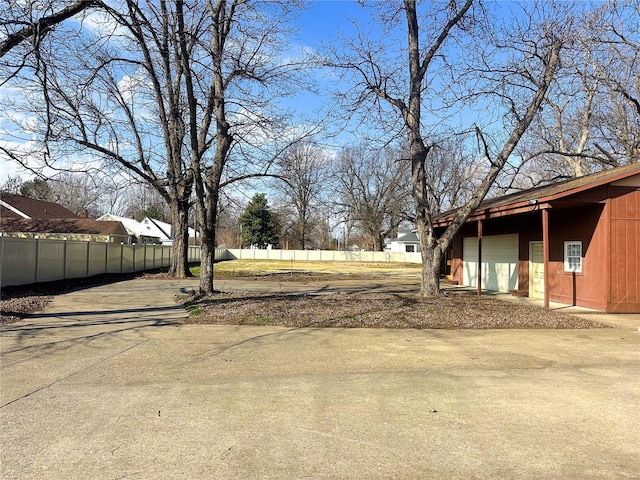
[(499, 262)]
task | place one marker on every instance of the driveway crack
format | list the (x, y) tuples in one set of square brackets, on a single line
[(58, 380)]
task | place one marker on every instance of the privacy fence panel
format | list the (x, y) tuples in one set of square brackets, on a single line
[(114, 257), (138, 258), (50, 260), (77, 258), (18, 260), (97, 259), (28, 260)]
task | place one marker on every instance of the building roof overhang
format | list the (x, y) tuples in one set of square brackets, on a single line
[(580, 191)]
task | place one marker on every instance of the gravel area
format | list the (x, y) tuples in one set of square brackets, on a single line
[(447, 311)]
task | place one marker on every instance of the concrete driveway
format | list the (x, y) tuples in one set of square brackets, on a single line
[(106, 384)]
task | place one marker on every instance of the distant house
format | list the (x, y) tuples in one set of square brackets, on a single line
[(139, 233), (26, 217), (18, 206), (575, 242), (64, 228), (164, 231), (149, 230), (407, 242)]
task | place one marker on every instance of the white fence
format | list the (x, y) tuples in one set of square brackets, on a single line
[(324, 255), (30, 260)]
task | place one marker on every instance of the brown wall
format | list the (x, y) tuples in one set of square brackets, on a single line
[(625, 251), (610, 233), (589, 225), (529, 228)]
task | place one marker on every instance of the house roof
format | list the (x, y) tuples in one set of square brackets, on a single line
[(18, 206), (159, 229), (411, 237), (132, 226), (148, 227), (536, 198), (62, 226)]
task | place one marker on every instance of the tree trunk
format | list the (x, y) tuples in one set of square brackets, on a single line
[(431, 254), (378, 243), (206, 263), (180, 249)]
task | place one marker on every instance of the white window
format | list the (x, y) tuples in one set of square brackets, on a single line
[(573, 256)]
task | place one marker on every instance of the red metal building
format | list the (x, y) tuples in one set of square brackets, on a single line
[(576, 242)]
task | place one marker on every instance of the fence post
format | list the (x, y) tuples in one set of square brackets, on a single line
[(35, 275), (64, 260), (88, 256)]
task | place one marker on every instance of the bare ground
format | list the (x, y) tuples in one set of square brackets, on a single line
[(446, 311)]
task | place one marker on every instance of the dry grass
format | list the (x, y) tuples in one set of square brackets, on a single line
[(285, 270)]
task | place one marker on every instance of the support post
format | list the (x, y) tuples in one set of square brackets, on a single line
[(545, 248), (479, 257)]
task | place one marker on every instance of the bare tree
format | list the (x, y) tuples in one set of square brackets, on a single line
[(303, 173), (373, 190), (116, 92), (167, 90), (11, 185), (30, 21), (79, 192), (593, 115), (245, 76), (522, 83), (615, 52)]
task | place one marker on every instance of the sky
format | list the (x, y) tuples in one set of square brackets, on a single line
[(316, 24)]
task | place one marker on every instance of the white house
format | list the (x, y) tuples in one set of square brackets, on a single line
[(405, 243), (163, 230), (149, 230), (140, 233)]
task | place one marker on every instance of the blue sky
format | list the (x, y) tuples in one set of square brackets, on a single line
[(322, 20)]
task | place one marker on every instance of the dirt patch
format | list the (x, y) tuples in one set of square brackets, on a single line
[(446, 311)]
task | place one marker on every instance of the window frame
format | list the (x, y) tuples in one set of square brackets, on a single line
[(569, 266)]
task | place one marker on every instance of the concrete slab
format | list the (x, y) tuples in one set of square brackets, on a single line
[(108, 384)]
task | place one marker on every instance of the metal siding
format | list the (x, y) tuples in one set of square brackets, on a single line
[(625, 249), (470, 261)]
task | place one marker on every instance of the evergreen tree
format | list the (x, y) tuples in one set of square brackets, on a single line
[(258, 223)]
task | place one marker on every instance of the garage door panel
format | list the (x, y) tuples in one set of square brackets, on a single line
[(499, 262)]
